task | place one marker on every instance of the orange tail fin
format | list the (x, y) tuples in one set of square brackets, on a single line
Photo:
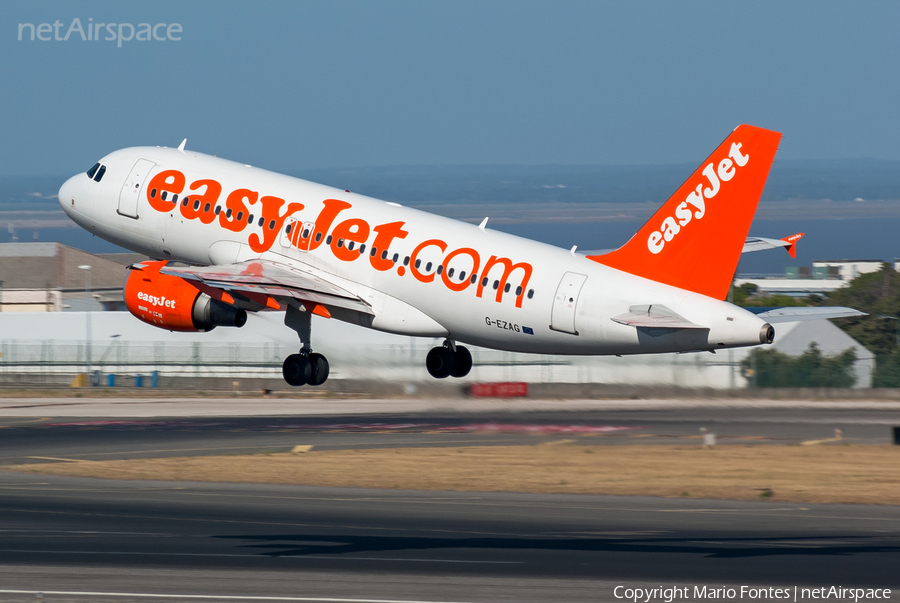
[(694, 240)]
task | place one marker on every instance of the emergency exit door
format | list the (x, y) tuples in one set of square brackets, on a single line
[(131, 190), (562, 317)]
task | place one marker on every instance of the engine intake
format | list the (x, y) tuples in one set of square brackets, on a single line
[(767, 334), (170, 302)]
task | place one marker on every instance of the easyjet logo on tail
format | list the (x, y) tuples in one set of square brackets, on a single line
[(694, 206)]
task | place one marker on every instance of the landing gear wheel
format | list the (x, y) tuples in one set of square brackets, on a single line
[(462, 362), (296, 370), (318, 369), (439, 362)]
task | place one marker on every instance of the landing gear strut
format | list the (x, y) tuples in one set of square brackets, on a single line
[(306, 367), (449, 360)]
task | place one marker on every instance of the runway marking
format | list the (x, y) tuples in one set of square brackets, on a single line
[(817, 442), (53, 458), (208, 597), (258, 556)]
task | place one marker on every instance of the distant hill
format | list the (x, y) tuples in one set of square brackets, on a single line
[(839, 180)]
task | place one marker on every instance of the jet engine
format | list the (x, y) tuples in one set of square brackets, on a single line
[(170, 302)]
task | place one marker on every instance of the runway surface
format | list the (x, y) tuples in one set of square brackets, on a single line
[(137, 541), (79, 535), (24, 440)]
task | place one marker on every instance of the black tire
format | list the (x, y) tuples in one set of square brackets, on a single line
[(296, 370), (318, 369), (462, 362), (439, 362)]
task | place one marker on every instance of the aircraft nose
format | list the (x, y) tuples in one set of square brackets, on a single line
[(67, 195)]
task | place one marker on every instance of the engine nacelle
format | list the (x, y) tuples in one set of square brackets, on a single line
[(170, 302)]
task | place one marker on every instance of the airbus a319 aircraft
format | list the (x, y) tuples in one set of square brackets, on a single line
[(232, 239)]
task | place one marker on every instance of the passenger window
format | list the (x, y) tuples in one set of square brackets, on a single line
[(153, 194), (93, 171), (185, 202), (100, 173), (530, 293)]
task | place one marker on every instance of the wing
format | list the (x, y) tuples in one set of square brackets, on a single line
[(776, 315), (761, 243), (654, 317), (261, 280)]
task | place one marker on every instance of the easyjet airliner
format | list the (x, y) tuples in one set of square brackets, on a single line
[(230, 239)]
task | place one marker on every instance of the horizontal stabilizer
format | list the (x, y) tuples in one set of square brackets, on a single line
[(792, 314), (270, 279), (654, 317)]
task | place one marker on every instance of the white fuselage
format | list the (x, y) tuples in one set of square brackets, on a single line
[(565, 304)]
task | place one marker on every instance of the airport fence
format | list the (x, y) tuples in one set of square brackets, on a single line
[(123, 357)]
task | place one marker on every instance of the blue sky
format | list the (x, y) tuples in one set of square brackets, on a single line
[(298, 85)]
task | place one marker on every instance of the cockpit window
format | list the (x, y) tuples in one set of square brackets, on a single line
[(93, 170), (100, 173)]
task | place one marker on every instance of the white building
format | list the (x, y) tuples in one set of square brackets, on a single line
[(825, 276)]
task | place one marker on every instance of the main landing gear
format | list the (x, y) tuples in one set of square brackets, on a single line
[(449, 360), (306, 367)]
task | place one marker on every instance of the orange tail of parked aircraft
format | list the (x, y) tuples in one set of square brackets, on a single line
[(695, 240)]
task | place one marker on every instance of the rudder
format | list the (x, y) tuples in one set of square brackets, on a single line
[(694, 240)]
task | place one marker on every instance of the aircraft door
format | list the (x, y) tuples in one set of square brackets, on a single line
[(131, 190), (562, 316), (301, 238)]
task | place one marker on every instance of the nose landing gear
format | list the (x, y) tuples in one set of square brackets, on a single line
[(449, 360), (306, 367)]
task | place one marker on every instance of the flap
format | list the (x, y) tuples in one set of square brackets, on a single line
[(273, 279), (654, 317)]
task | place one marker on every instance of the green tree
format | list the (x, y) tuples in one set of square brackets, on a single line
[(771, 368), (877, 294)]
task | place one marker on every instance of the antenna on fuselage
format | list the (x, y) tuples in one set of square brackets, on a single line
[(181, 146), (483, 224)]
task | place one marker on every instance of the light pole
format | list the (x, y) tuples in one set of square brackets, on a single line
[(896, 325), (87, 317)]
